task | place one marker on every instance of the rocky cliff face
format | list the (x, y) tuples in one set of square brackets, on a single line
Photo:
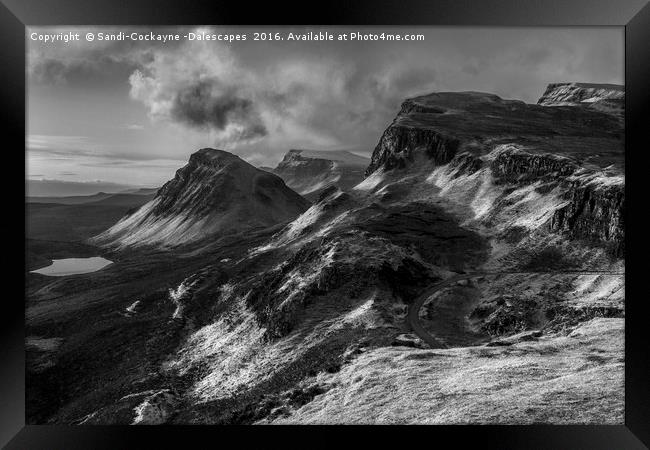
[(513, 166), (309, 172), (397, 144), (571, 94), (589, 205), (444, 124), (216, 192), (594, 212), (608, 98), (574, 153)]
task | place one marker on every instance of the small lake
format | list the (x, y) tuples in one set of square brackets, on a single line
[(73, 266)]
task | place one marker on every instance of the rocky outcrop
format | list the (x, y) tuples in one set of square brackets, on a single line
[(572, 94), (466, 164), (398, 143), (442, 125), (607, 98), (508, 315), (594, 206), (408, 340), (334, 268), (308, 172), (595, 212), (405, 135), (512, 165), (216, 192), (515, 166), (156, 408), (573, 149)]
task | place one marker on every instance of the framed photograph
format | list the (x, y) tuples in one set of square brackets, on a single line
[(383, 214)]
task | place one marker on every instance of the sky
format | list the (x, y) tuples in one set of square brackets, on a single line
[(131, 112)]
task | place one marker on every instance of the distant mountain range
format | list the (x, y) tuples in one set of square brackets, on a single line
[(128, 197), (63, 188)]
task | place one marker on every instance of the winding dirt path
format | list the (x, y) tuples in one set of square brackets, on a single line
[(413, 315)]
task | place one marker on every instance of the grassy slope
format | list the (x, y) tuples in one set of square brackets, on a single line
[(106, 354), (577, 378), (70, 223), (69, 200)]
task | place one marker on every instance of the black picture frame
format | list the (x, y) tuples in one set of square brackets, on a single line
[(634, 15)]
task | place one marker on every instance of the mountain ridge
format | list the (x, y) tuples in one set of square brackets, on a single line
[(608, 98), (216, 192), (310, 172), (574, 151)]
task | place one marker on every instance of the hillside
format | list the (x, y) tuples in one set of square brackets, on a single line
[(215, 193), (476, 274), (309, 172)]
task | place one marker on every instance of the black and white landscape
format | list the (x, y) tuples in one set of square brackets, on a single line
[(469, 269)]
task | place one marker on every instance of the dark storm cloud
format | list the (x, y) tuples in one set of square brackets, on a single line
[(207, 105)]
